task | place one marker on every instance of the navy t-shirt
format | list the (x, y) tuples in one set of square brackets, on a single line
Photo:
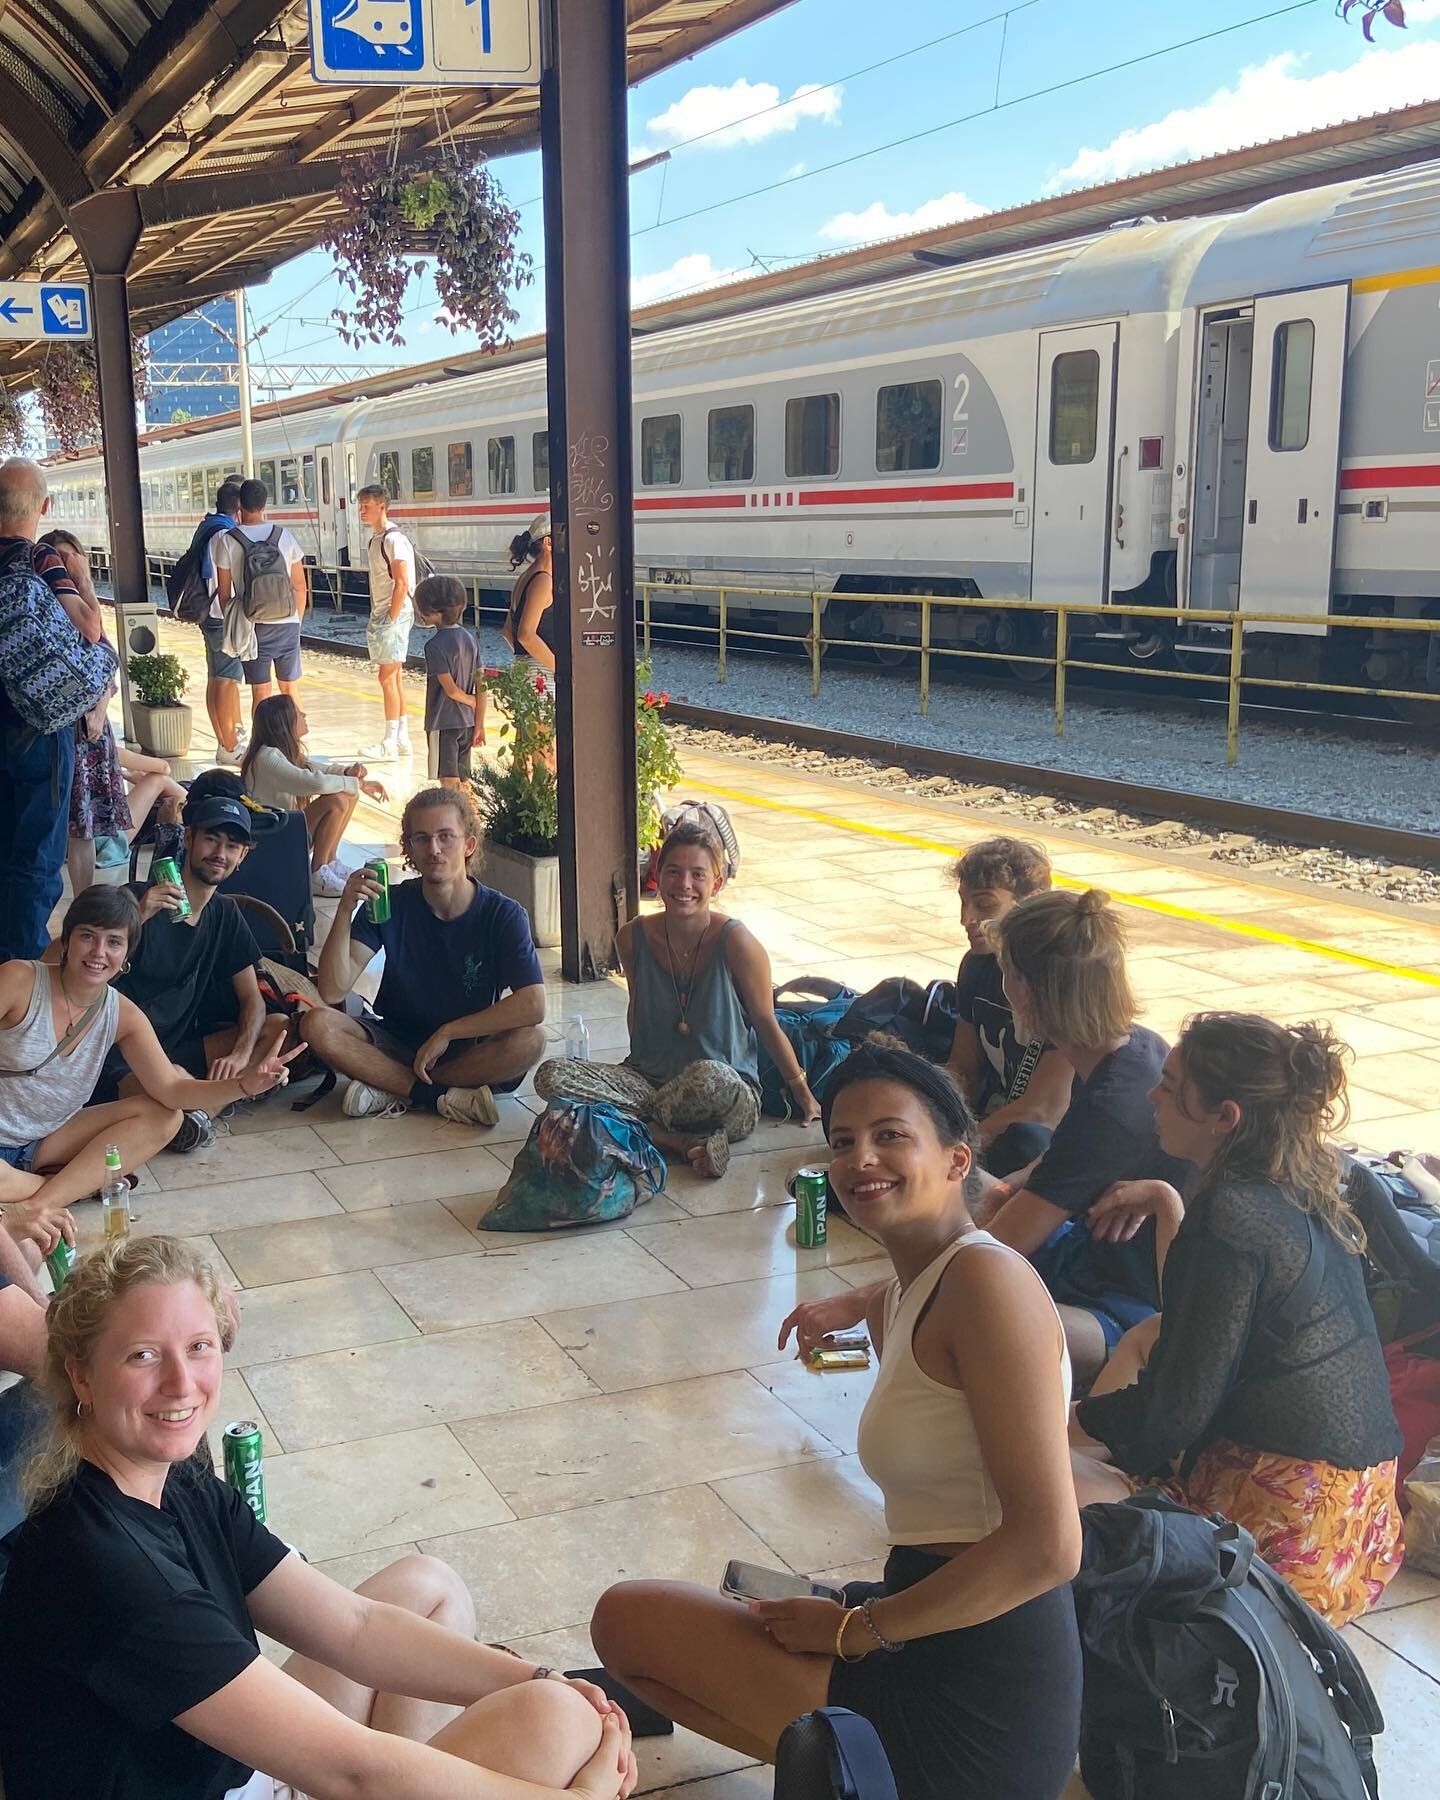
[(437, 970), (452, 651), (115, 1617)]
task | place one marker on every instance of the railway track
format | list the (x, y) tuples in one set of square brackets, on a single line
[(1381, 862)]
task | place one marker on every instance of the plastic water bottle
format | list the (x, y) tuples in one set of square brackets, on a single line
[(115, 1196), (577, 1041)]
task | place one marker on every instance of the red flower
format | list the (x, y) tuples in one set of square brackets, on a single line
[(649, 698), (664, 699), (539, 684), (490, 672)]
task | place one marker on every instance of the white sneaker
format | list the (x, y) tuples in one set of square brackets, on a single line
[(365, 1102), (402, 748), (327, 883), (230, 759), (468, 1106), (387, 750)]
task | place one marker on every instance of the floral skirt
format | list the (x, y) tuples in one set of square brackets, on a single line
[(1334, 1534), (98, 804)]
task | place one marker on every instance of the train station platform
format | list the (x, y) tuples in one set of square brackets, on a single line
[(551, 1414)]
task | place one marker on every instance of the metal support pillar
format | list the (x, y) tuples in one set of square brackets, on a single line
[(587, 316)]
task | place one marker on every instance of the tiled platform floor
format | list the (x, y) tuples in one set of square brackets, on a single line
[(552, 1415)]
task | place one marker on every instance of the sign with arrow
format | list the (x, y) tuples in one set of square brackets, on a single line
[(44, 309), (426, 43)]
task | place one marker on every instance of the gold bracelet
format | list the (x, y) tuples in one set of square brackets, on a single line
[(845, 1619)]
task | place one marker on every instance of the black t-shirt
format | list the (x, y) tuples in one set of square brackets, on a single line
[(980, 1001), (180, 974), (116, 1616), (1108, 1134)]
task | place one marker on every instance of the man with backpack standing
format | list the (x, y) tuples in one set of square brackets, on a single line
[(50, 674), (260, 569), (193, 589), (394, 572)]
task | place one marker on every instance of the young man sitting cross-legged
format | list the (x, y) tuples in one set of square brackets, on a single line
[(462, 1000)]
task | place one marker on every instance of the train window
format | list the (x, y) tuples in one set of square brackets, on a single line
[(907, 426), (307, 477), (461, 458), (1292, 366), (197, 488), (1074, 406), (167, 488), (289, 482), (730, 446), (388, 472), (500, 465), (325, 481), (213, 478), (422, 472), (540, 461), (812, 435), (265, 472), (183, 485), (660, 450)]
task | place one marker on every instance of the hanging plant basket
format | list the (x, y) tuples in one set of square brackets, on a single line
[(14, 427), (444, 208), (68, 390)]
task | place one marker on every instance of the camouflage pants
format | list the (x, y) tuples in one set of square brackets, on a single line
[(706, 1097)]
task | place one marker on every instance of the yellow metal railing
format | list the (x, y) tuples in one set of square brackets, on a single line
[(1054, 658)]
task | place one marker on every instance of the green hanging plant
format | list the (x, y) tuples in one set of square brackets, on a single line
[(14, 426), (67, 387)]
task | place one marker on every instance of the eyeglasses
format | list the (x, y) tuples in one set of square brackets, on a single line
[(442, 840)]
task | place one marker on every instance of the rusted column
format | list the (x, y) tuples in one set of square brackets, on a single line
[(107, 228), (587, 313)]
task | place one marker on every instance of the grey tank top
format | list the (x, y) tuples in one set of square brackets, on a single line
[(719, 1030), (32, 1106)]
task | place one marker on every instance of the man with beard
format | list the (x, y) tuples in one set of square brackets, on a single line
[(192, 972)]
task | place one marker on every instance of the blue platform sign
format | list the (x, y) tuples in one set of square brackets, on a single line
[(425, 43), (44, 309)]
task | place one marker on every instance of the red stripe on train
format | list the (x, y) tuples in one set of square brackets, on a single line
[(685, 502), (934, 490), (1401, 475)]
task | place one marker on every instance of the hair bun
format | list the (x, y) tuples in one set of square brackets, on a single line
[(1317, 1066), (1092, 902)]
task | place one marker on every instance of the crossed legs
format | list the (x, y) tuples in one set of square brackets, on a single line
[(343, 1045)]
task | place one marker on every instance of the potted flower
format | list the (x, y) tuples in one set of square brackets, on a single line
[(160, 717), (517, 798)]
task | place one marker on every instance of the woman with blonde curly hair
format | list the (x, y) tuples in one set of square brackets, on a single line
[(1260, 1392), (138, 1582)]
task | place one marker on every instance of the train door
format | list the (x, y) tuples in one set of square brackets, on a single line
[(1222, 439), (1293, 454), (1070, 555), (327, 507)]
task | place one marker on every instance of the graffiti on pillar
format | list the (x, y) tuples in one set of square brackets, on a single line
[(596, 585), (591, 487)]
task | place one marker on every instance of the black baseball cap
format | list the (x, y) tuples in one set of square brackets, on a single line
[(219, 812)]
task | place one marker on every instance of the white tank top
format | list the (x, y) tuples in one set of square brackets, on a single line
[(917, 1439)]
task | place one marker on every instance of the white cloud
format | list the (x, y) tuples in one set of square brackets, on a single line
[(877, 221), (795, 171), (746, 112), (1269, 100), (682, 277)]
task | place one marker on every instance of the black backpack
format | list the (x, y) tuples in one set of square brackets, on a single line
[(186, 586), (921, 1014), (1206, 1676), (807, 1011), (832, 1754)]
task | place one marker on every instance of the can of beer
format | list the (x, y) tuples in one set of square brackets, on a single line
[(377, 911), (839, 1359), (245, 1464), (165, 868), (59, 1262), (810, 1187)]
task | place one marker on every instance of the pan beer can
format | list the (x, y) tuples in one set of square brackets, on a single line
[(810, 1187), (245, 1464), (165, 868), (59, 1262), (377, 911)]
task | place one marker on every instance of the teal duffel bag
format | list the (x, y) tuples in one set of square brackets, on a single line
[(584, 1163)]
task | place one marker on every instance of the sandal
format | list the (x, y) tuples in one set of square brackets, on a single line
[(714, 1156)]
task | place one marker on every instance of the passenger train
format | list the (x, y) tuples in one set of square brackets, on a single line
[(1233, 412)]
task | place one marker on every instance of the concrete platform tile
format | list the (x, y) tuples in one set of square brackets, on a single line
[(215, 1207), (327, 1312), (746, 1246), (427, 1175), (812, 1515), (247, 1158), (334, 1246), (829, 1403)]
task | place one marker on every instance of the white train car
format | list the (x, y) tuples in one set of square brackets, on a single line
[(1237, 412)]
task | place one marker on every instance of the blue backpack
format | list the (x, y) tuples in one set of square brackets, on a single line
[(583, 1163), (807, 1011), (832, 1754)]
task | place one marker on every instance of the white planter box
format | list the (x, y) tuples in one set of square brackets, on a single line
[(162, 730), (532, 880)]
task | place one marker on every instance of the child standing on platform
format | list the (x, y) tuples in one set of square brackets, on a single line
[(454, 702)]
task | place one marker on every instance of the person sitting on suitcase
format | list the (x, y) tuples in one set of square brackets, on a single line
[(1282, 1424), (462, 998), (260, 568), (966, 1656), (1019, 1090)]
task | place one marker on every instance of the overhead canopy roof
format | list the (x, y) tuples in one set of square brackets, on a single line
[(97, 93)]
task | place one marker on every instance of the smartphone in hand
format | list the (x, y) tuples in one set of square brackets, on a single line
[(749, 1581)]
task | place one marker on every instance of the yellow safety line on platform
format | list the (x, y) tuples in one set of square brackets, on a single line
[(1166, 908)]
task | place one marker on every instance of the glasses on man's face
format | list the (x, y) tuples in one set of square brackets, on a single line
[(442, 840)]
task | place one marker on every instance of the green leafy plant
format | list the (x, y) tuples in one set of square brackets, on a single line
[(14, 427), (455, 211), (158, 680), (67, 386), (517, 795)]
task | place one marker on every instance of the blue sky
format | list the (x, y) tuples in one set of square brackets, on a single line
[(773, 106)]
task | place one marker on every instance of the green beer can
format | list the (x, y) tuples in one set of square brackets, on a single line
[(165, 868), (810, 1187), (377, 911), (245, 1464), (59, 1262)]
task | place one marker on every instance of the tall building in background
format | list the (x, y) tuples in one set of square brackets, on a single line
[(182, 345)]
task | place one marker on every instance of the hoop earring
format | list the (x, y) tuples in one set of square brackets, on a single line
[(83, 1409), (125, 966)]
